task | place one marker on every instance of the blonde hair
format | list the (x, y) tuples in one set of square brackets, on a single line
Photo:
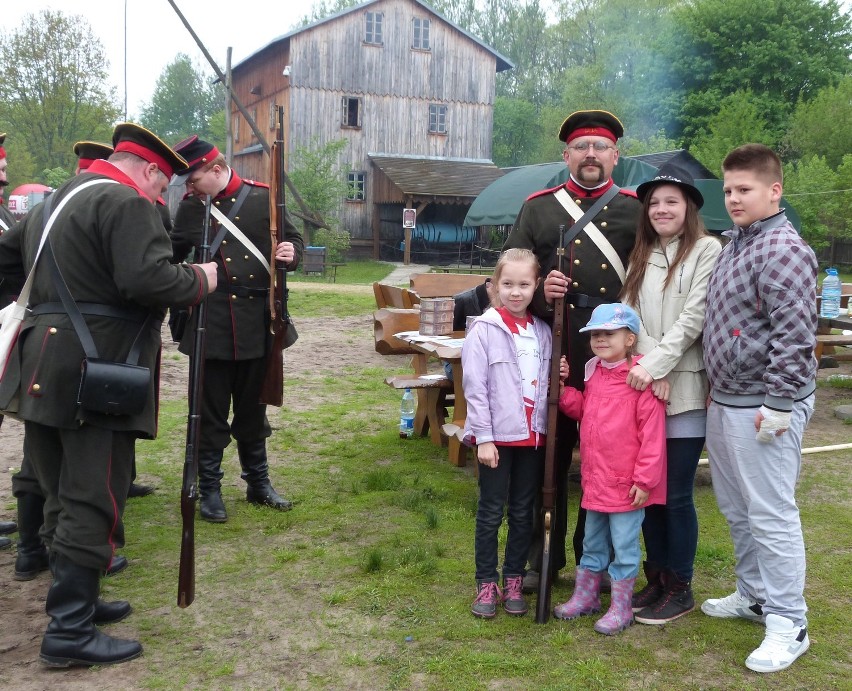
[(516, 254)]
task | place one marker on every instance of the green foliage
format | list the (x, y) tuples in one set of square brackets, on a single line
[(316, 172), (817, 126), (186, 101), (517, 130), (54, 177), (53, 92), (335, 241), (821, 197), (738, 119)]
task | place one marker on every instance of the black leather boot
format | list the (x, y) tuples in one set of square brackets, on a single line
[(106, 612), (256, 474), (71, 637), (32, 554), (7, 527), (210, 476)]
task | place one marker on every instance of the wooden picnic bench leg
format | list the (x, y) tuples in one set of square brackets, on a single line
[(458, 451), (434, 417)]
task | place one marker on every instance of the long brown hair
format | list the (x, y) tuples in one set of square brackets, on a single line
[(646, 239)]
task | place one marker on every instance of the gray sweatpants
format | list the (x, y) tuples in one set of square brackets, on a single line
[(755, 486)]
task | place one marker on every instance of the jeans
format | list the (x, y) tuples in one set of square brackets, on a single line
[(518, 478), (608, 533), (671, 530), (755, 486)]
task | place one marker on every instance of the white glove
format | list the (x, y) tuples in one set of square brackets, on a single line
[(773, 421)]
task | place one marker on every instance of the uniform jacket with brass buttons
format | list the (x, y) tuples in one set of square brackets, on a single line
[(237, 319), (112, 248), (588, 270)]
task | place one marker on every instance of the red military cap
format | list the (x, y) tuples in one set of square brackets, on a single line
[(197, 153), (2, 150), (595, 123), (135, 139), (89, 152)]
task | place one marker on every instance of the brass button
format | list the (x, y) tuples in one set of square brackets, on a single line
[(233, 279), (578, 201), (603, 290), (36, 387), (233, 297), (233, 199), (251, 297), (251, 276), (605, 208), (577, 241), (224, 242), (218, 202), (603, 224), (245, 256), (52, 329), (571, 305), (576, 262), (604, 267), (236, 218), (227, 259), (575, 284)]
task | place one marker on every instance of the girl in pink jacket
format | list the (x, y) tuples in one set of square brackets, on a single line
[(623, 466)]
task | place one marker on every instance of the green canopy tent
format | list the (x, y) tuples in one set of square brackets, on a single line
[(500, 202)]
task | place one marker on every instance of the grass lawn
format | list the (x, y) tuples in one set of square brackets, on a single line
[(368, 582)]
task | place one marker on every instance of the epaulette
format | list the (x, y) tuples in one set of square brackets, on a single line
[(541, 193), (255, 183)]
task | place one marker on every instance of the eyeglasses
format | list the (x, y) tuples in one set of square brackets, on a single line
[(599, 147)]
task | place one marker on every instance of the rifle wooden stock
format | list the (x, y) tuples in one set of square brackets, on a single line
[(548, 490), (189, 487), (272, 392)]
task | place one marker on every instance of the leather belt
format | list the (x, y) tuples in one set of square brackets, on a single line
[(243, 291), (92, 309), (586, 301)]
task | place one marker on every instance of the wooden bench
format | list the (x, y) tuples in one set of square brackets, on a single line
[(389, 321), (432, 401), (830, 341), (394, 296), (441, 285)]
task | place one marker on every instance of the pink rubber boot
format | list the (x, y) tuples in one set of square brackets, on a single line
[(586, 597), (620, 613)]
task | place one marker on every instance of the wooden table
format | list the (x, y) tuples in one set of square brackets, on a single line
[(826, 341), (449, 353)]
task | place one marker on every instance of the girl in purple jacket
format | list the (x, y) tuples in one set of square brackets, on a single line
[(623, 466), (505, 360)]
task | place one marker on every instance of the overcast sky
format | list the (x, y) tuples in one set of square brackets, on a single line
[(155, 34)]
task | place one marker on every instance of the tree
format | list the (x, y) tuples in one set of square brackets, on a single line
[(53, 92), (783, 50), (812, 187), (516, 131), (817, 126), (317, 174), (185, 101)]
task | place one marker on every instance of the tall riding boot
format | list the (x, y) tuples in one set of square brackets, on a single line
[(106, 611), (71, 637), (32, 554), (210, 476), (256, 474)]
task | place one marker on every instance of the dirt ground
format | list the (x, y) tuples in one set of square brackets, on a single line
[(22, 604)]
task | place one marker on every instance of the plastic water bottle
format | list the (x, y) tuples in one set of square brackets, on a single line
[(406, 415), (830, 307)]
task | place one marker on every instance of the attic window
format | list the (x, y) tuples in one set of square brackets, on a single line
[(420, 38), (351, 116), (373, 34)]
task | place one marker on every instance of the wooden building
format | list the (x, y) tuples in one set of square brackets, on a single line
[(399, 83)]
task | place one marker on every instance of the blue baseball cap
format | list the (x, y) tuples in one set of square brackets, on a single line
[(613, 316)]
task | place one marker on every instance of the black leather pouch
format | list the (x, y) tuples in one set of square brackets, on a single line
[(113, 388)]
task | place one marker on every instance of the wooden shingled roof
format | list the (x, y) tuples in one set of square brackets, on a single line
[(436, 178)]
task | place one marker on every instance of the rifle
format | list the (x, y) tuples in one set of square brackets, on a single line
[(189, 488), (280, 325), (548, 490)]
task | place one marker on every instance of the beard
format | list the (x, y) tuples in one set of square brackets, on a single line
[(586, 175)]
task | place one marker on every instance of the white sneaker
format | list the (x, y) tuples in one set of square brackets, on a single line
[(733, 606), (783, 645)]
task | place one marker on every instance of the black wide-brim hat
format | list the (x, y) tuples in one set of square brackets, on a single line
[(135, 139), (671, 174)]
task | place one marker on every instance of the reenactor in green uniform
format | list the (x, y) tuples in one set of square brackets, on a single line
[(589, 278), (114, 256), (238, 318)]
